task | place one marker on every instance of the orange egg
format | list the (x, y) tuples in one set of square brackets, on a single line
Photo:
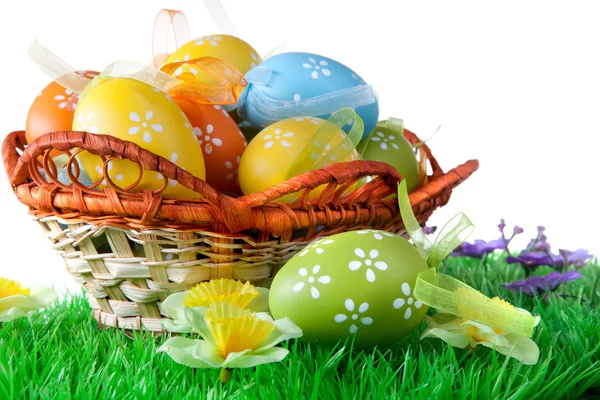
[(221, 141), (52, 110)]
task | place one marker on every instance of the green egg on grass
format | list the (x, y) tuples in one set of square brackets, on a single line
[(357, 283), (388, 144)]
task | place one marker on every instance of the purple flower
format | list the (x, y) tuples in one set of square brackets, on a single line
[(540, 242), (479, 248), (577, 258), (501, 226), (534, 259), (428, 230), (541, 284)]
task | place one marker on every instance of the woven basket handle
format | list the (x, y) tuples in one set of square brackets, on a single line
[(235, 213), (17, 166)]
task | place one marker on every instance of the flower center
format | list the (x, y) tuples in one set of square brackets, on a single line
[(236, 329), (221, 290), (11, 288), (354, 317), (311, 279), (368, 262)]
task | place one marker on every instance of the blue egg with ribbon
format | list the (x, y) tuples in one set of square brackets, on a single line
[(301, 84)]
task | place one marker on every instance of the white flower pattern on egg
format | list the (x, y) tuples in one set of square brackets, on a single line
[(100, 171), (316, 67), (378, 235), (277, 136), (213, 40), (325, 153), (400, 302), (380, 137), (317, 246), (68, 100), (218, 107), (312, 281), (229, 166), (368, 260), (207, 138), (84, 123), (145, 125), (354, 316)]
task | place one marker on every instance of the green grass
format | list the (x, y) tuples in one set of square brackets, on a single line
[(61, 354)]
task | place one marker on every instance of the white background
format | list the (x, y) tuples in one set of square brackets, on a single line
[(514, 84)]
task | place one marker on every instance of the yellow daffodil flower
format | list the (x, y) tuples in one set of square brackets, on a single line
[(234, 337), (17, 301), (461, 332), (206, 293)]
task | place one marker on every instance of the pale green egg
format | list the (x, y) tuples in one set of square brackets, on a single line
[(357, 283)]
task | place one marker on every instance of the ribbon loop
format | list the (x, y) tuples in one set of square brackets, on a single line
[(450, 237), (166, 20), (454, 233), (423, 245), (232, 82), (57, 69), (228, 91), (220, 16), (272, 110), (451, 296), (319, 151)]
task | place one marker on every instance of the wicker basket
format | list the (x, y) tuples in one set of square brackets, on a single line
[(156, 246)]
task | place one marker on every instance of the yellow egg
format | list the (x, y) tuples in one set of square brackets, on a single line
[(230, 49), (135, 111), (272, 152)]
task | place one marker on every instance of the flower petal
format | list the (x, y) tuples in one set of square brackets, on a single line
[(260, 303), (524, 350), (314, 292), (183, 351), (18, 306), (176, 326), (195, 316), (453, 338), (285, 329), (173, 306), (354, 265), (252, 359)]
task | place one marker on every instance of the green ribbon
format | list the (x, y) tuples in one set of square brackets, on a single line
[(451, 236), (315, 155), (451, 296)]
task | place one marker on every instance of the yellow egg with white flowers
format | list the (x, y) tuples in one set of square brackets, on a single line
[(269, 156), (230, 49), (137, 112)]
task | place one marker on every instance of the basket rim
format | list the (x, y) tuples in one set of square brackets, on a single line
[(217, 211)]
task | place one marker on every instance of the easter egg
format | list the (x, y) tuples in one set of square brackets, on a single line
[(137, 112), (273, 151), (52, 110), (390, 146), (221, 142), (297, 76), (230, 49), (357, 283)]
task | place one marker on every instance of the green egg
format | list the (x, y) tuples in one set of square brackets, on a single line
[(388, 144), (357, 283)]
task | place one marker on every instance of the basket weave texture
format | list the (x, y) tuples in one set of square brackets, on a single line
[(131, 250)]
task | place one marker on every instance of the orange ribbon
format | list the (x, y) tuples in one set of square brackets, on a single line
[(166, 20), (232, 82)]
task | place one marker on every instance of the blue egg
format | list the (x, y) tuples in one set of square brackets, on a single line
[(302, 84)]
